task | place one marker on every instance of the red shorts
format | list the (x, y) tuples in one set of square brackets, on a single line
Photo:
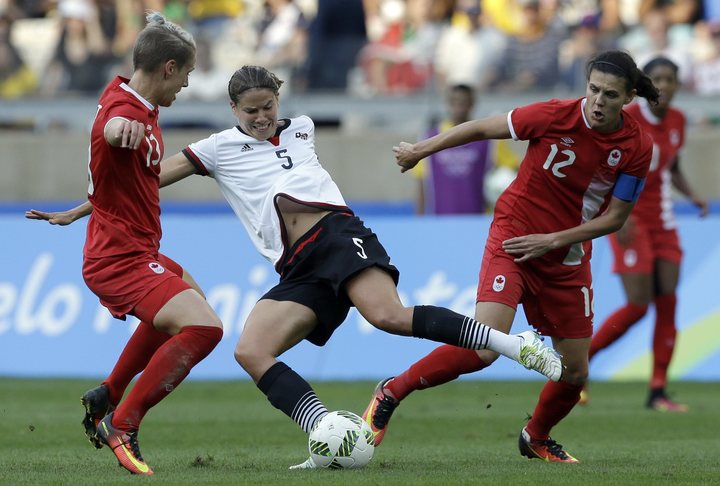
[(644, 247), (139, 285), (557, 304)]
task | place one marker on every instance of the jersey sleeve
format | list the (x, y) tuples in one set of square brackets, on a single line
[(531, 121), (203, 155), (639, 164)]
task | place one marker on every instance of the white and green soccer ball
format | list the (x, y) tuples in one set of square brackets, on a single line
[(341, 440)]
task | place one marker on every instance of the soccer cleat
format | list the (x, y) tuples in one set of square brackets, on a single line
[(548, 450), (534, 355), (378, 412), (307, 464), (97, 405), (124, 445), (663, 404)]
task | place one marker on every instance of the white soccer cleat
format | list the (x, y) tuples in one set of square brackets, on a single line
[(308, 464), (534, 355)]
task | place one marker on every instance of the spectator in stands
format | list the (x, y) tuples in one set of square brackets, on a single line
[(656, 36), (452, 181), (82, 59), (469, 49), (16, 79), (582, 45), (530, 60), (336, 36), (401, 60), (282, 44), (706, 75)]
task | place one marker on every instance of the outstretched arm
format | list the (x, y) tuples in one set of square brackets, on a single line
[(61, 218), (682, 185), (532, 246), (175, 168), (172, 169), (494, 127)]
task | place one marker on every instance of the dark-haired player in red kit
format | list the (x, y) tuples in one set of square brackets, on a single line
[(582, 173), (122, 264), (647, 249)]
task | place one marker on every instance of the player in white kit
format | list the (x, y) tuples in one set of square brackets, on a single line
[(327, 259)]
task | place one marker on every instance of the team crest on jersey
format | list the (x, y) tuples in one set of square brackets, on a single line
[(156, 267), (630, 258), (674, 137), (148, 128), (303, 136), (499, 283), (614, 157), (567, 141)]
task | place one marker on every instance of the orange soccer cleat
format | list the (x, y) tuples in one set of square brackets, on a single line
[(548, 450), (124, 445), (378, 412)]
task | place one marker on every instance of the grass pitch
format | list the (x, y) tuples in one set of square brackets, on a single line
[(226, 433)]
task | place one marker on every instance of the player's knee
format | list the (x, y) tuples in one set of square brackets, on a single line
[(392, 320), (488, 357), (246, 355), (574, 376)]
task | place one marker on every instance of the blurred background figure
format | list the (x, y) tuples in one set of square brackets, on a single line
[(530, 61), (581, 45), (399, 61), (16, 78), (469, 48), (706, 75), (656, 36), (282, 44), (452, 181), (83, 56), (335, 38)]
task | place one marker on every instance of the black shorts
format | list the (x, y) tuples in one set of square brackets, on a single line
[(313, 272)]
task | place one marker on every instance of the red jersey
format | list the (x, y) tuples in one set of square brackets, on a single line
[(568, 173), (654, 209), (124, 184)]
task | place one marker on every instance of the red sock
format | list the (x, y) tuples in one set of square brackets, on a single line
[(616, 325), (170, 364), (555, 402), (440, 366), (663, 339), (138, 351)]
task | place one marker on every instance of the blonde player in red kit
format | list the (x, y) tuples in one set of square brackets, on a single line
[(647, 248), (583, 171), (122, 264)]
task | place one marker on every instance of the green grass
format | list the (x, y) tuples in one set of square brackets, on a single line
[(226, 433)]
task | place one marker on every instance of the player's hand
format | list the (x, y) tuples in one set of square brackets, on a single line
[(61, 218), (702, 205), (130, 133), (406, 156), (529, 246)]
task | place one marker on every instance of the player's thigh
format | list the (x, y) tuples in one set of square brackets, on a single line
[(374, 294), (667, 275), (574, 357), (273, 327), (186, 308), (638, 287), (180, 271)]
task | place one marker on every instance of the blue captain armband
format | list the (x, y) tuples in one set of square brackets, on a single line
[(628, 188)]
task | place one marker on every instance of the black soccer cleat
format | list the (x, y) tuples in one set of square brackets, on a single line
[(97, 406)]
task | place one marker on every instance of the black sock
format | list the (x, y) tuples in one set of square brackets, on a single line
[(291, 394), (446, 326)]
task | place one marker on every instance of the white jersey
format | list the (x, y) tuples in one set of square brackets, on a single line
[(252, 174)]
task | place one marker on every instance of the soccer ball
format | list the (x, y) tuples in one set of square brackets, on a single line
[(341, 440), (496, 181)]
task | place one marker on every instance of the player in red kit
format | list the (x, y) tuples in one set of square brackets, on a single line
[(122, 264), (647, 249), (583, 171)]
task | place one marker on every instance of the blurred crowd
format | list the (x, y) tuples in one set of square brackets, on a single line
[(51, 48)]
